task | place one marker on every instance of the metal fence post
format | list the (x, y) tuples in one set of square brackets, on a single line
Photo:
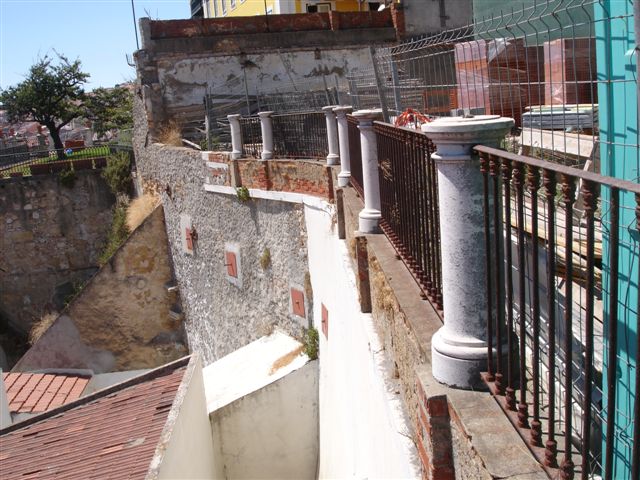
[(370, 215), (266, 126), (343, 140), (332, 135), (379, 85), (236, 136), (460, 348)]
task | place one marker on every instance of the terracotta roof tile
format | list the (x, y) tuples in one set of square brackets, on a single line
[(37, 392), (110, 434)]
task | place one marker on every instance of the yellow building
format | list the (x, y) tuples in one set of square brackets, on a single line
[(244, 8)]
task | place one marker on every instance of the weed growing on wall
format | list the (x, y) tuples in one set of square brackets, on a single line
[(117, 173), (118, 233), (171, 134), (67, 178), (40, 326), (243, 194), (265, 259), (311, 339)]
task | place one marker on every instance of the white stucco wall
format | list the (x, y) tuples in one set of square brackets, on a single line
[(271, 433), (364, 432), (187, 450)]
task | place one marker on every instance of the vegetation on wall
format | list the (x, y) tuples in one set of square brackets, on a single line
[(118, 233), (117, 173), (311, 340), (67, 178)]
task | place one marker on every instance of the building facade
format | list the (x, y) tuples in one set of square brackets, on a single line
[(245, 8)]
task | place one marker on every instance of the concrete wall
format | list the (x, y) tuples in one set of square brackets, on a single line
[(186, 445), (273, 432), (121, 320), (220, 317), (181, 59), (364, 432), (50, 238), (424, 17)]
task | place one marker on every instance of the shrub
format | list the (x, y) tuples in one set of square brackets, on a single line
[(118, 233), (117, 173), (311, 340), (40, 326), (67, 178), (265, 258)]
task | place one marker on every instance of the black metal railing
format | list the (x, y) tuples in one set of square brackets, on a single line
[(73, 155), (565, 373), (251, 136), (300, 135), (409, 203), (355, 154)]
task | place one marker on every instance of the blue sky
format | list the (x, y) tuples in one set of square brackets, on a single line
[(98, 32)]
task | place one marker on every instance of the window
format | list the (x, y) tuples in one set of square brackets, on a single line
[(374, 6), (319, 8)]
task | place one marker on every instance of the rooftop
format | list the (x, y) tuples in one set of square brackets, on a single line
[(114, 430), (39, 392)]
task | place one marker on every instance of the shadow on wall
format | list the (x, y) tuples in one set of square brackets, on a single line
[(125, 318)]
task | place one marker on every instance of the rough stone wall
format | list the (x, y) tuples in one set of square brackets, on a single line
[(219, 316), (122, 319), (50, 238)]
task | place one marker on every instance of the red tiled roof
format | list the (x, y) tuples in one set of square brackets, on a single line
[(110, 434), (38, 392)]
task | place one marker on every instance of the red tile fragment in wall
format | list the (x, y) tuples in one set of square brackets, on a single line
[(325, 321), (189, 238), (297, 303), (231, 264)]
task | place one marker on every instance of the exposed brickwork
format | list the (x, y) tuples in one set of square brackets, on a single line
[(364, 286), (433, 429), (304, 22)]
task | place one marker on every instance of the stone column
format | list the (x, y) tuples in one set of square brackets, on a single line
[(369, 217), (343, 140), (266, 125), (332, 135), (236, 136), (459, 348)]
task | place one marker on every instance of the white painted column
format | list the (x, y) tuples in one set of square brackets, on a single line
[(332, 135), (459, 348), (236, 136), (266, 125), (343, 140), (369, 217)]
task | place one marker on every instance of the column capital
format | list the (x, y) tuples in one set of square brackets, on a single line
[(342, 110), (456, 136), (265, 114), (367, 117), (235, 116), (328, 109)]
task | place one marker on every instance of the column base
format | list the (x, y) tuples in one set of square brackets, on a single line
[(369, 221), (458, 365), (333, 159), (266, 155), (236, 155), (344, 178)]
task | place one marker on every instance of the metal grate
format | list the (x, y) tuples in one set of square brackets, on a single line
[(355, 154), (300, 135)]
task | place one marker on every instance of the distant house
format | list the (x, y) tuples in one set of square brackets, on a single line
[(243, 8)]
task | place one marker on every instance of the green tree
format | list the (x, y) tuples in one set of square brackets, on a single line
[(51, 95), (110, 108)]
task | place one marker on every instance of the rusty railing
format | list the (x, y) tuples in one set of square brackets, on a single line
[(251, 136), (409, 203), (300, 135), (562, 250), (355, 154)]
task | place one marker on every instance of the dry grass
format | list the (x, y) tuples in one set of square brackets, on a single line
[(139, 209), (171, 134), (285, 360), (39, 327), (383, 297)]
